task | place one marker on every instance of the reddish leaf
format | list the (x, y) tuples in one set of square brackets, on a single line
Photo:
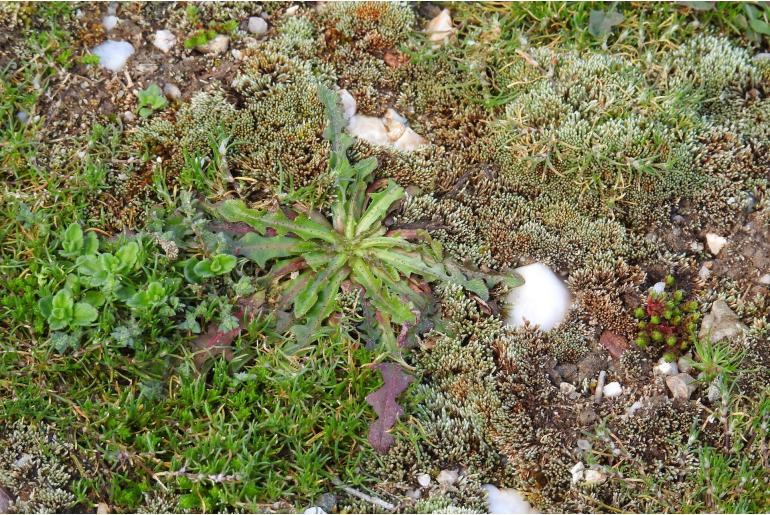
[(384, 403), (215, 343), (395, 59), (615, 344), (232, 228)]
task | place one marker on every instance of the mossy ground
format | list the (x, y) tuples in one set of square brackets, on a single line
[(606, 151)]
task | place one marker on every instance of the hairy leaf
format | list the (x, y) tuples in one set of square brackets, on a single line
[(385, 404), (262, 249), (378, 207), (309, 295), (235, 210), (306, 332), (379, 294)]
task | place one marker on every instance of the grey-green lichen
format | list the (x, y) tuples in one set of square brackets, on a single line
[(35, 469)]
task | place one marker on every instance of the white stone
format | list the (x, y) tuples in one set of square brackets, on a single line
[(715, 242), (216, 46), (440, 28), (704, 273), (577, 472), (636, 406), (423, 479), (448, 477), (409, 141), (583, 444), (612, 389), (765, 279), (315, 510), (681, 385), (110, 22), (113, 54), (506, 500), (291, 11), (23, 117), (164, 40), (714, 392), (567, 388), (5, 501), (257, 26), (685, 363), (171, 91), (542, 300), (665, 368), (658, 288), (414, 494), (594, 477), (369, 129), (721, 323), (349, 104)]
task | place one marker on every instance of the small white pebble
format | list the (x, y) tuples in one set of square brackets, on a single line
[(440, 28), (636, 406), (583, 445), (542, 300), (577, 471), (216, 46), (567, 388), (423, 479), (715, 242), (291, 11), (257, 26), (765, 279), (23, 117), (315, 510), (658, 288), (110, 22), (164, 40), (113, 54), (447, 477), (506, 500), (349, 105), (612, 389), (666, 368), (171, 91), (704, 273), (594, 477)]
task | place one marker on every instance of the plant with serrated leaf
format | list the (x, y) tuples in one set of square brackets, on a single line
[(352, 245)]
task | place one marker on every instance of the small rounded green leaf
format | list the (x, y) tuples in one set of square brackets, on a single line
[(127, 256), (84, 314), (72, 241), (222, 264), (90, 244)]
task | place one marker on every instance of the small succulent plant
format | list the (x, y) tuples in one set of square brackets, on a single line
[(666, 320), (151, 100), (354, 245)]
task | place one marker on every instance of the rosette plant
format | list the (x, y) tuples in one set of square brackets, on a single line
[(311, 256)]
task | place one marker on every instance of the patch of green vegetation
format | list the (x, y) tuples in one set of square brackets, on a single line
[(667, 321), (275, 429), (353, 245), (562, 133), (151, 100)]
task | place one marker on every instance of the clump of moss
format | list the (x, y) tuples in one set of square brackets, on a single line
[(667, 321), (35, 469)]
